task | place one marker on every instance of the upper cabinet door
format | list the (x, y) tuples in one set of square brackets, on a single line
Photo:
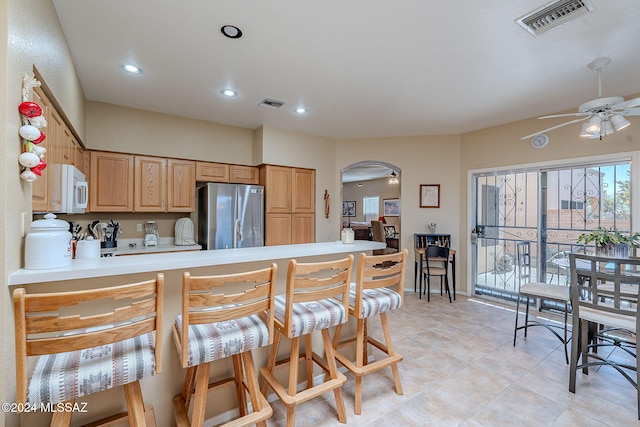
[(304, 185), (111, 183), (212, 172), (181, 185), (277, 183), (244, 174), (150, 184)]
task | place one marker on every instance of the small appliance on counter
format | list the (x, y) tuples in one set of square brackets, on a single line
[(48, 245), (151, 236), (184, 232)]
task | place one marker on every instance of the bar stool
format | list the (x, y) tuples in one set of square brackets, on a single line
[(316, 299), (369, 296), (214, 326), (80, 354)]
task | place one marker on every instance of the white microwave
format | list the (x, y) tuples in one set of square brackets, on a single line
[(72, 189)]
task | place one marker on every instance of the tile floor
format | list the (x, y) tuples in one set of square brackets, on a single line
[(460, 369)]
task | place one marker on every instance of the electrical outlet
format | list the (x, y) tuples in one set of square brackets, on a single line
[(138, 227)]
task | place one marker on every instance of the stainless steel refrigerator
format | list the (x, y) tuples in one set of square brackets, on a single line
[(230, 216)]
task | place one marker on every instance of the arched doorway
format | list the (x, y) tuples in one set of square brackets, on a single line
[(371, 190)]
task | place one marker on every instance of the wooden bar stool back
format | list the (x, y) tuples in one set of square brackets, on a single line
[(216, 325), (80, 354), (316, 299), (379, 288)]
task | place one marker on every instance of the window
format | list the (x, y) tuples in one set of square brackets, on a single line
[(571, 204), (371, 208)]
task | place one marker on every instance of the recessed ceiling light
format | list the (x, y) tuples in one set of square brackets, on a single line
[(301, 110), (131, 69), (231, 31), (228, 92)]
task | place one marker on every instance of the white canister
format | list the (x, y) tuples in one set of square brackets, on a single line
[(48, 245), (347, 235), (87, 249)]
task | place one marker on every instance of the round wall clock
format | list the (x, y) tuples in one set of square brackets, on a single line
[(540, 141)]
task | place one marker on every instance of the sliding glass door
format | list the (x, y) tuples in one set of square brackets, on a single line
[(549, 208)]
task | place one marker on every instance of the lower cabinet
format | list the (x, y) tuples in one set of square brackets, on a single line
[(286, 229), (303, 228)]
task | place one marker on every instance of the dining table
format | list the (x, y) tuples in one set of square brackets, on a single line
[(420, 254)]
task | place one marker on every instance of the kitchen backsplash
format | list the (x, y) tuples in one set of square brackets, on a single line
[(129, 221)]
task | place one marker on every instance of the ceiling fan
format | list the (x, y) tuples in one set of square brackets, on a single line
[(602, 115)]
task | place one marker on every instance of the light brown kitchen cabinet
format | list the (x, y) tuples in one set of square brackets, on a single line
[(277, 187), (181, 185), (303, 190), (212, 172), (40, 187), (150, 184), (111, 185), (239, 174), (278, 229), (62, 148), (289, 204), (303, 228)]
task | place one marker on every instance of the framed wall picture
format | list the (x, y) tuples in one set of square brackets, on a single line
[(429, 195), (349, 208), (391, 207)]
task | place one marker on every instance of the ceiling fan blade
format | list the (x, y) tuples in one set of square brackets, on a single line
[(556, 127), (565, 115), (631, 112), (635, 102)]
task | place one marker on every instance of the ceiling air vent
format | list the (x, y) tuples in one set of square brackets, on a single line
[(554, 14), (271, 103)]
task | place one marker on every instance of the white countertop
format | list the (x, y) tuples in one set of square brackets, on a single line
[(119, 265)]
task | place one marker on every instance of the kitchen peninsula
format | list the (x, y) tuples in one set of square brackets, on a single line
[(94, 273), (162, 262)]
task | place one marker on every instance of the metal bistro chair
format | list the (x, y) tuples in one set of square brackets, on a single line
[(538, 290), (436, 259), (379, 288), (317, 299), (79, 354), (215, 325), (604, 298)]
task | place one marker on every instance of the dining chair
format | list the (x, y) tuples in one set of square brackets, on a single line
[(436, 264), (535, 292), (604, 300), (224, 316), (84, 342), (378, 235), (316, 299), (379, 289)]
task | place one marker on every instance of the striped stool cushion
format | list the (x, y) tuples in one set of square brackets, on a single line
[(311, 316), (215, 341), (64, 376), (375, 301)]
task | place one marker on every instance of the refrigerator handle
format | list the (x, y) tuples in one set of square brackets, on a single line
[(236, 232)]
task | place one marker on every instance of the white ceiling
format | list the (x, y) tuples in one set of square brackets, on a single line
[(363, 68)]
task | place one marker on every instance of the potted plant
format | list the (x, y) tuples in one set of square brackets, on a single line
[(610, 242)]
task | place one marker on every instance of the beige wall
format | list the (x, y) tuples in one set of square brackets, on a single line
[(146, 132), (22, 49)]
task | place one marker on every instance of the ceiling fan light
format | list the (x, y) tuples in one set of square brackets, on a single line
[(607, 129), (584, 133), (593, 125), (619, 122)]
